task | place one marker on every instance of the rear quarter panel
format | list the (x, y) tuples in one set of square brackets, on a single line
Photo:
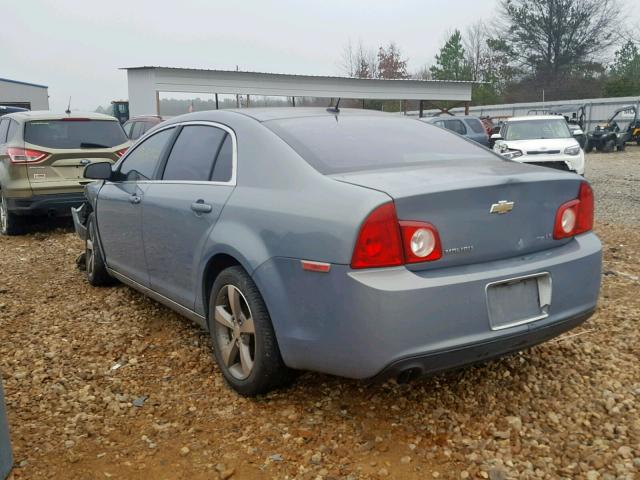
[(282, 207)]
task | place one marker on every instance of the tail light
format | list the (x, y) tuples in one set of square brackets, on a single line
[(383, 241), (120, 153), (576, 216), (379, 243), (421, 242), (25, 155)]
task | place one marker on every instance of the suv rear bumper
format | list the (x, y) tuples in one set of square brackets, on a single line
[(59, 204)]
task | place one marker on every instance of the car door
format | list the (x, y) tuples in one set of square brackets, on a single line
[(181, 209), (120, 203)]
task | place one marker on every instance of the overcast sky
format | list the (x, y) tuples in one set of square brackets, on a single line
[(77, 46)]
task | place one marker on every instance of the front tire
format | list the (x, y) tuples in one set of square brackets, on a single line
[(244, 342), (96, 269), (10, 223), (588, 147), (608, 146)]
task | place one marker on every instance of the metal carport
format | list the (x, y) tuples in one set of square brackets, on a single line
[(146, 83)]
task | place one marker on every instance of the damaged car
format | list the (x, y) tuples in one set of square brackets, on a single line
[(354, 243)]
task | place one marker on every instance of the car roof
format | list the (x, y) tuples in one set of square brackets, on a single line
[(51, 115), (279, 113), (449, 117), (535, 117), (145, 118)]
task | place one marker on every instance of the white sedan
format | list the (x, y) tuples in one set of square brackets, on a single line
[(540, 140)]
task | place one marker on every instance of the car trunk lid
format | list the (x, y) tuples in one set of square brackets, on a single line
[(458, 198)]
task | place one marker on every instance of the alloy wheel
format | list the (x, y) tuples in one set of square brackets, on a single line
[(235, 333)]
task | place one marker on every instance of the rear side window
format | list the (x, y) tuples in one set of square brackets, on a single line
[(335, 144), (475, 125), (224, 163), (193, 154), (4, 126), (455, 126), (74, 133), (141, 164)]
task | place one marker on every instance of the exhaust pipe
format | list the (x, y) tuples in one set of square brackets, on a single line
[(408, 375)]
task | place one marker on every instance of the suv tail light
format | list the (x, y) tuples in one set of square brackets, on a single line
[(25, 155), (576, 216), (120, 153), (383, 241)]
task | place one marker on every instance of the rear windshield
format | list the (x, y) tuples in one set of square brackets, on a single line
[(537, 129), (74, 133), (337, 144)]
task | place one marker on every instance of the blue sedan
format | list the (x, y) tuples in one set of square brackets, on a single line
[(354, 243)]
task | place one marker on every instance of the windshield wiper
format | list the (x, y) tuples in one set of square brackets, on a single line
[(93, 145)]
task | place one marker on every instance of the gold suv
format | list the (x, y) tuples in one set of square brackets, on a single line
[(42, 159)]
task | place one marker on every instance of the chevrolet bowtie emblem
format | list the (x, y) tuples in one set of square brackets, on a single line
[(502, 207)]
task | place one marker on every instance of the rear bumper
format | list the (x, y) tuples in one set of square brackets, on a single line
[(59, 204), (480, 352), (368, 323)]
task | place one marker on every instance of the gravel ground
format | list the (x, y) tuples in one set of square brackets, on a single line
[(616, 179), (104, 383)]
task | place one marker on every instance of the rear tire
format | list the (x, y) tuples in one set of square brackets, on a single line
[(622, 147), (10, 223), (96, 269), (244, 342)]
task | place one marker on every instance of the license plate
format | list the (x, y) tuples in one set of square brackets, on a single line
[(519, 300)]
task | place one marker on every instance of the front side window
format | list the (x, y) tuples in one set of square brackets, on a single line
[(141, 164), (536, 130), (193, 154), (137, 130), (73, 133)]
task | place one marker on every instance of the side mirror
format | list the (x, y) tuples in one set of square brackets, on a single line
[(98, 171), (577, 132), (496, 136)]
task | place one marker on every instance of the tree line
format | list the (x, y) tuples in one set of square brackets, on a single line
[(532, 49)]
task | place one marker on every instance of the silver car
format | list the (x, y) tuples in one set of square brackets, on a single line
[(354, 243)]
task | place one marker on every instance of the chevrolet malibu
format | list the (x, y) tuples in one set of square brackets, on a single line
[(358, 244)]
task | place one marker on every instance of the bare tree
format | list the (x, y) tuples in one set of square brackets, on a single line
[(475, 47), (423, 73), (359, 61)]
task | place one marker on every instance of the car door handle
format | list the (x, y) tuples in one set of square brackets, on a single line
[(201, 207), (135, 199)]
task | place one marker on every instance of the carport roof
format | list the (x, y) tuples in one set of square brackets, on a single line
[(145, 83), (22, 83)]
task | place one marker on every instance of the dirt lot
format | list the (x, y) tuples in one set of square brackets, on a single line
[(104, 383)]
